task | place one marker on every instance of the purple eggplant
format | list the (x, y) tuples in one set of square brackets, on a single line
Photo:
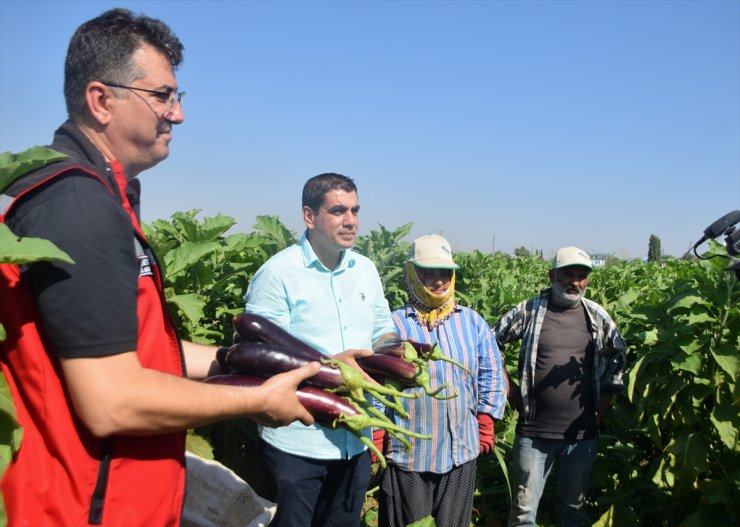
[(390, 366), (395, 347), (251, 326), (407, 373), (221, 359), (265, 359), (328, 409)]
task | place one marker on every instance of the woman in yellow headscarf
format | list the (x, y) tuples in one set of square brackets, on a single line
[(437, 477), (431, 292)]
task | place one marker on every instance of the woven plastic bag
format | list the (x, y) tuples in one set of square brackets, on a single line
[(216, 497)]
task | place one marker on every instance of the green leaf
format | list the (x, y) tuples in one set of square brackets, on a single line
[(187, 255), (728, 360), (190, 305), (28, 250), (214, 227), (706, 515), (691, 450), (717, 491), (236, 243), (11, 432), (701, 318), (691, 347), (9, 425), (726, 422), (370, 518), (647, 338), (665, 476), (687, 301), (13, 166), (692, 363), (606, 519), (274, 229), (198, 445), (424, 522), (632, 378), (626, 300)]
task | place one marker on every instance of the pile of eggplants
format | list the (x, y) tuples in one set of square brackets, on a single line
[(335, 396)]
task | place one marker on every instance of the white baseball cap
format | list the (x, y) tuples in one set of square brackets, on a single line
[(432, 251), (571, 256)]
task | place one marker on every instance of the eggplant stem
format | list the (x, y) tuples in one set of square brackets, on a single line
[(452, 361), (353, 380), (446, 397), (369, 444), (436, 354), (380, 415), (394, 405), (362, 420)]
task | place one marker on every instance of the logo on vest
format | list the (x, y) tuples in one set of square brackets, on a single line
[(145, 268)]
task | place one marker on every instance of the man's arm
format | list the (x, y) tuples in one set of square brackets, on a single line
[(200, 360), (614, 357), (510, 327), (116, 395)]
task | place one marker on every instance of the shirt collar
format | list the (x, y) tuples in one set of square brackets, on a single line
[(411, 311), (310, 259)]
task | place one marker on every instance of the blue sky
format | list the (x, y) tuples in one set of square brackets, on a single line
[(496, 123)]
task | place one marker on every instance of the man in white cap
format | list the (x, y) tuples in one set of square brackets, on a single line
[(570, 364), (437, 477)]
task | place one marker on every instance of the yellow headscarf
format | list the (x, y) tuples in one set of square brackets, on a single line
[(432, 309)]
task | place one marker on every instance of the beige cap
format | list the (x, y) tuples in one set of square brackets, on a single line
[(571, 256), (431, 251)]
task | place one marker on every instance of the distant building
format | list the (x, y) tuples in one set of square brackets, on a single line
[(599, 259)]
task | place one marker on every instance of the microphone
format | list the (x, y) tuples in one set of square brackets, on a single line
[(719, 226)]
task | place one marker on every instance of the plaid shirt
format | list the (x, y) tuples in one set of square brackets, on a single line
[(465, 337), (525, 322)]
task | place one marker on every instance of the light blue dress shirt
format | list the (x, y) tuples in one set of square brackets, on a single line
[(332, 310)]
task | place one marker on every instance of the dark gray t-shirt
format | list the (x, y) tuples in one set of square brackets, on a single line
[(88, 309), (563, 397)]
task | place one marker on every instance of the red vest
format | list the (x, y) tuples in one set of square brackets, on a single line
[(63, 475)]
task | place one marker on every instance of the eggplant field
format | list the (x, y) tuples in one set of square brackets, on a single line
[(668, 449)]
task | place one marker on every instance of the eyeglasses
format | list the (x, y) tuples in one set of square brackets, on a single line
[(169, 98)]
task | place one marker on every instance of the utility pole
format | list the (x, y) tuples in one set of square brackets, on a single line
[(493, 245)]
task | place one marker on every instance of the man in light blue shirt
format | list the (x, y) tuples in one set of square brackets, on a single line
[(322, 292)]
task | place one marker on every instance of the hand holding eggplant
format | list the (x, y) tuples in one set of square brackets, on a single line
[(281, 404), (350, 357)]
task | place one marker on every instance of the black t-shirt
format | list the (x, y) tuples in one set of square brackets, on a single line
[(90, 308), (563, 398)]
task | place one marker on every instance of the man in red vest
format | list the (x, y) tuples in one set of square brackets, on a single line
[(102, 385)]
